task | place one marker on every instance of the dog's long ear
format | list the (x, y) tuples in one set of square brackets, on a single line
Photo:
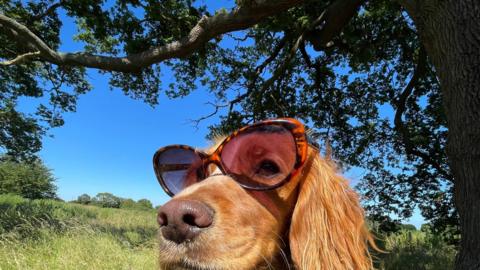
[(328, 229)]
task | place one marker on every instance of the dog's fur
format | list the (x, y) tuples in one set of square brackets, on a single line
[(313, 222)]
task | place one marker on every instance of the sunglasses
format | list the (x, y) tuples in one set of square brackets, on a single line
[(261, 156)]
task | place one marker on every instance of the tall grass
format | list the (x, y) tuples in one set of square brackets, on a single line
[(24, 217), (416, 250), (78, 248), (45, 234)]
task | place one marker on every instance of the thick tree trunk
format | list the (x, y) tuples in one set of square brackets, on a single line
[(450, 32)]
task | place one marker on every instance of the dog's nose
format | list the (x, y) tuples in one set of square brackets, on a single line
[(182, 220)]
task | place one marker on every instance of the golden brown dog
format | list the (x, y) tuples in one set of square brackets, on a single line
[(314, 221)]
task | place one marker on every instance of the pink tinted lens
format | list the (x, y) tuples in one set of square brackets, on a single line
[(179, 168), (261, 156)]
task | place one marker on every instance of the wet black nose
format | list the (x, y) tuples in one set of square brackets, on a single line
[(182, 220)]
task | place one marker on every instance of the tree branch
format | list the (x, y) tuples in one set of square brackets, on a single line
[(241, 17), (217, 107), (293, 50), (337, 15), (244, 38), (23, 34), (258, 70), (20, 59), (47, 11), (305, 55), (281, 69), (405, 134), (272, 57)]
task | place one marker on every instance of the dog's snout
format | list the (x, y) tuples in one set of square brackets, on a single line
[(182, 220)]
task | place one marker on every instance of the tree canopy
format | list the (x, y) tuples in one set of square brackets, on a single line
[(361, 80), (29, 180)]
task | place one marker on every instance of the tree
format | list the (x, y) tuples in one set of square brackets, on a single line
[(29, 180), (141, 204), (128, 204), (145, 204), (84, 199), (107, 200), (393, 85), (407, 227)]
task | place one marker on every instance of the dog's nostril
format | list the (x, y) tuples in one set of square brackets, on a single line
[(162, 219), (189, 219)]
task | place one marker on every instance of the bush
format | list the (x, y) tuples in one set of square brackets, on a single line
[(107, 200), (407, 227), (142, 204), (145, 204), (30, 180), (84, 199), (128, 204), (407, 250)]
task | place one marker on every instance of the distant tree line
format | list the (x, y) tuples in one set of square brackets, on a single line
[(33, 180), (108, 200)]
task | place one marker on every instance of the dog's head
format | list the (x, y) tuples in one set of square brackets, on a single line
[(311, 221)]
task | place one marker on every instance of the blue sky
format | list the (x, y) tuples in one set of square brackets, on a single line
[(108, 143)]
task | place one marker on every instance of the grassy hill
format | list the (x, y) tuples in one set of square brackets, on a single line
[(47, 234)]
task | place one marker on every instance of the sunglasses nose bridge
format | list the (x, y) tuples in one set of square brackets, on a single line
[(213, 159)]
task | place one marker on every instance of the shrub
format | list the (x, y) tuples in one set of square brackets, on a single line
[(407, 227), (407, 250), (128, 204), (30, 180), (107, 200), (84, 199), (144, 203)]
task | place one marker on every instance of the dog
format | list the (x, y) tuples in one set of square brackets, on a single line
[(219, 220)]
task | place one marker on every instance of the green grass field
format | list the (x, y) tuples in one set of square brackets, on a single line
[(45, 234), (54, 235)]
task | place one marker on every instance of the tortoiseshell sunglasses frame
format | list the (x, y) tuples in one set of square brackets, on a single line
[(296, 128)]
